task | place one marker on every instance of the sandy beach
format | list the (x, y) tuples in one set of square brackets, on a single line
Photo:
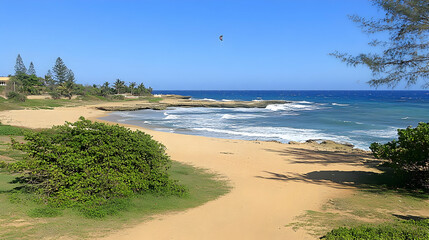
[(271, 183)]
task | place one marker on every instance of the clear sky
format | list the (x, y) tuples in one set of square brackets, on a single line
[(174, 45)]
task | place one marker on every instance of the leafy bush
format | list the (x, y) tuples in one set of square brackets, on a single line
[(88, 163), (55, 95), (118, 97), (409, 155), (3, 164), (403, 230), (16, 96)]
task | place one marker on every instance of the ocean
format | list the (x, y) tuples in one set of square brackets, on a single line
[(356, 117)]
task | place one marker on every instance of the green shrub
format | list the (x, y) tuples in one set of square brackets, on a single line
[(404, 230), (3, 164), (409, 155), (55, 95), (88, 163), (118, 97), (16, 96)]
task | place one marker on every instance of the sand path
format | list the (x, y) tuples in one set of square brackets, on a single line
[(271, 183)]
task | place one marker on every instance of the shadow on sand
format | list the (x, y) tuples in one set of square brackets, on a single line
[(365, 180), (311, 156)]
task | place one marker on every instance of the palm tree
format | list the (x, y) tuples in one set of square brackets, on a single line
[(132, 86), (105, 89), (118, 85), (141, 89)]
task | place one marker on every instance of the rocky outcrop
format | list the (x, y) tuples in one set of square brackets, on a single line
[(127, 106)]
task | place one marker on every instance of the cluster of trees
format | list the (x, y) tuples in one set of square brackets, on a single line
[(119, 87), (60, 82)]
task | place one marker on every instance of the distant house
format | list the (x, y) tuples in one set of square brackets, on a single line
[(4, 80)]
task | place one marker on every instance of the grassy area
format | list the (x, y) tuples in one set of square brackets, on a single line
[(400, 230), (37, 104), (6, 130), (363, 208), (51, 103), (154, 99), (23, 216)]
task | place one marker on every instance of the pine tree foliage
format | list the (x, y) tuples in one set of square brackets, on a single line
[(31, 70), (405, 55), (19, 66), (60, 71)]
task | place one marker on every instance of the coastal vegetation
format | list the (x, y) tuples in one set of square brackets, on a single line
[(401, 230), (405, 54), (406, 187), (27, 212), (90, 164), (371, 212), (61, 82), (404, 58), (408, 156)]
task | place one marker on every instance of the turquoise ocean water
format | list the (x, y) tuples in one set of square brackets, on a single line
[(357, 117)]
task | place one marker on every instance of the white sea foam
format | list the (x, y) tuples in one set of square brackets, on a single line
[(405, 118), (390, 133), (294, 106), (248, 109), (340, 104), (227, 100), (241, 116), (208, 99), (281, 133), (359, 123), (182, 110), (305, 102), (169, 117)]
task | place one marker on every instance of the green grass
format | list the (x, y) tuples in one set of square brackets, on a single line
[(37, 104), (51, 103), (6, 130), (150, 99), (154, 99), (24, 216), (362, 208), (400, 230)]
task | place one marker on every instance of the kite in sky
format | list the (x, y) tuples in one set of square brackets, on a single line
[(221, 37)]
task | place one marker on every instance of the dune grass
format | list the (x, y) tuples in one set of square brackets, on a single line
[(24, 216)]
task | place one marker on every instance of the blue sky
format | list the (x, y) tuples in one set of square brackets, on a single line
[(268, 45)]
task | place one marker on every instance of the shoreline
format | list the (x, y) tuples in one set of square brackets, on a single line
[(271, 183), (320, 144)]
